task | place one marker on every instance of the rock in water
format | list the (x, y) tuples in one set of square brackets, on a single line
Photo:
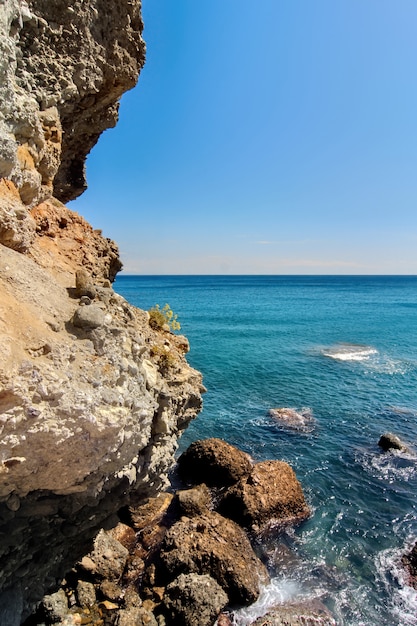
[(389, 441), (270, 494), (295, 420), (211, 544), (213, 462), (313, 613)]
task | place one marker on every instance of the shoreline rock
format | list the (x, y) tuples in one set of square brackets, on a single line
[(174, 556)]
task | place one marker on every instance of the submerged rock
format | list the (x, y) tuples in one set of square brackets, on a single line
[(310, 613), (270, 494), (295, 420)]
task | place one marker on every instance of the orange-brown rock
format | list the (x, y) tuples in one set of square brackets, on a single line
[(66, 242), (211, 544), (270, 494), (213, 462)]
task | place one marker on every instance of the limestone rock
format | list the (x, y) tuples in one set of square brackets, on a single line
[(194, 599), (84, 285), (270, 494), (89, 317), (213, 545), (63, 69), (17, 227), (213, 462), (82, 426)]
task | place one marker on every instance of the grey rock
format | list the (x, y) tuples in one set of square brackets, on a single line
[(194, 599), (89, 317), (56, 606), (108, 556), (86, 594), (136, 616)]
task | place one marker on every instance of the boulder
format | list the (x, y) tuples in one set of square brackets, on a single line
[(194, 599), (211, 544), (389, 441), (89, 317), (270, 494), (213, 462), (108, 558), (194, 501)]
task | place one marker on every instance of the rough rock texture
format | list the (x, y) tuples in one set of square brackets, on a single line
[(63, 69), (194, 599), (270, 494), (213, 545), (213, 462), (88, 415), (312, 613)]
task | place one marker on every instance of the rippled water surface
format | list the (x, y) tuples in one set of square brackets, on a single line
[(344, 350)]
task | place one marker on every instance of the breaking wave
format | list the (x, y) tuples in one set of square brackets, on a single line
[(349, 352)]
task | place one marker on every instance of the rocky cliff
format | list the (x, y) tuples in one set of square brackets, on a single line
[(90, 412)]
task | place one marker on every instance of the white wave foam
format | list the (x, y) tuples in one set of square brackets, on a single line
[(349, 352), (277, 592), (389, 467), (404, 599)]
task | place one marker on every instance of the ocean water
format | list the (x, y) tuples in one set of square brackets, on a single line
[(344, 351)]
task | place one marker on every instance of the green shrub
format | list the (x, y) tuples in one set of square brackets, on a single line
[(158, 318)]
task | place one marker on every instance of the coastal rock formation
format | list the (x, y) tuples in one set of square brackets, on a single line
[(212, 544), (271, 494), (214, 462), (89, 414), (63, 68)]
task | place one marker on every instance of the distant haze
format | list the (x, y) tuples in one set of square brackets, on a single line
[(277, 137)]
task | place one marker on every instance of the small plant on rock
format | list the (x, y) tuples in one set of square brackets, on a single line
[(165, 358), (158, 318)]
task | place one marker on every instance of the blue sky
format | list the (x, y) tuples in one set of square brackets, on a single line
[(276, 137)]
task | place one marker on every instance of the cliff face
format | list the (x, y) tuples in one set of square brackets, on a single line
[(89, 413)]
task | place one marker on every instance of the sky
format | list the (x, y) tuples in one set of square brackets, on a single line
[(268, 137)]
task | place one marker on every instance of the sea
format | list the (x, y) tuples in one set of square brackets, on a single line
[(341, 350)]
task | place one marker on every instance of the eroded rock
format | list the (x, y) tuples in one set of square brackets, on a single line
[(210, 544), (214, 462), (270, 494), (194, 599)]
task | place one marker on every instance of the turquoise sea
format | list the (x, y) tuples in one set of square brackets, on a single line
[(344, 349)]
